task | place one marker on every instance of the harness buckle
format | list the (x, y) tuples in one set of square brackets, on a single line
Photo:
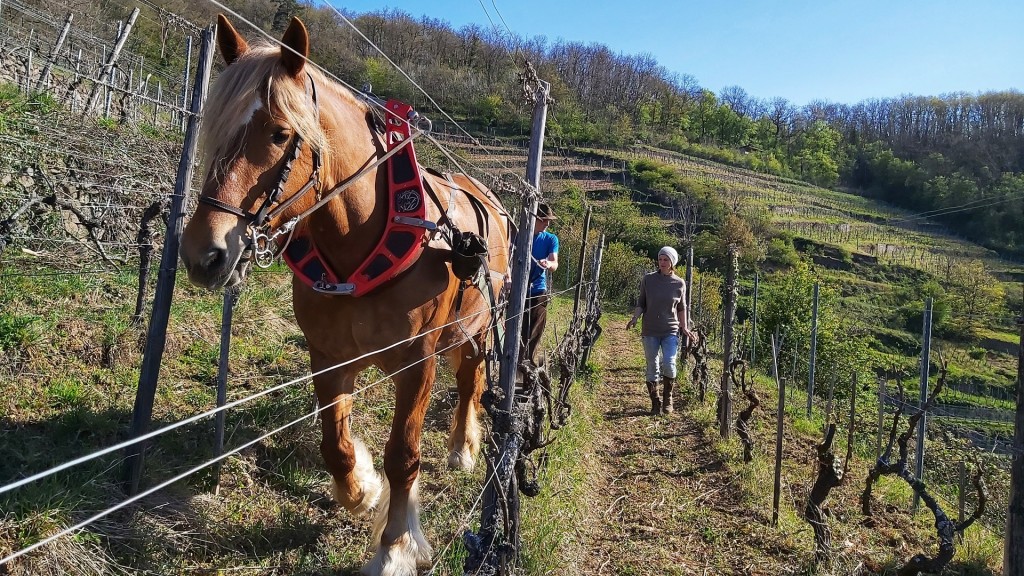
[(342, 289), (418, 222)]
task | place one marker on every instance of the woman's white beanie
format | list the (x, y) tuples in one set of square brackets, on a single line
[(669, 251)]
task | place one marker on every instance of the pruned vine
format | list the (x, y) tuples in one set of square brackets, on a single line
[(944, 526), (698, 349), (743, 420)]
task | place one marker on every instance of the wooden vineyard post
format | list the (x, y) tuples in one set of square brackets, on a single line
[(777, 493), (108, 67), (45, 75), (156, 338), (494, 550), (814, 351), (580, 268), (753, 324), (922, 427), (592, 331), (725, 398), (230, 298), (1013, 551), (689, 278), (881, 417)]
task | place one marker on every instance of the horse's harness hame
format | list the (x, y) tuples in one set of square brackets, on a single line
[(406, 230)]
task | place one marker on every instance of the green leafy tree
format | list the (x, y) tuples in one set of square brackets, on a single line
[(487, 110), (818, 154), (730, 129), (842, 346), (975, 294), (622, 221), (621, 269)]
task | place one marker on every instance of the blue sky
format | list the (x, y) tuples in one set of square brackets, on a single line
[(802, 50)]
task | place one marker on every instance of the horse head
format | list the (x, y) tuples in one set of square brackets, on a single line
[(263, 145)]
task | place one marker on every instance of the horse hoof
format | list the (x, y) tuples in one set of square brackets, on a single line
[(368, 485), (461, 460), (360, 505), (402, 558)]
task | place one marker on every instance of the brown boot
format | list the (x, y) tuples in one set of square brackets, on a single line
[(652, 389), (666, 394)]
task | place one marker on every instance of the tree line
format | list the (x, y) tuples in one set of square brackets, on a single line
[(919, 152)]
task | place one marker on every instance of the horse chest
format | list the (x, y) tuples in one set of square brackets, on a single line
[(344, 326)]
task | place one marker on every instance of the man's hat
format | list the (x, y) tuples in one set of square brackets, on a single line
[(544, 212)]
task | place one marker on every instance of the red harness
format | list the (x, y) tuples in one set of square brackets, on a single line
[(404, 234)]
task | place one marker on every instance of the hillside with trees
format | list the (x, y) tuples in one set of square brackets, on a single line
[(922, 152), (866, 205)]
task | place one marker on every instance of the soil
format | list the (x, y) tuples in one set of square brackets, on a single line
[(669, 497)]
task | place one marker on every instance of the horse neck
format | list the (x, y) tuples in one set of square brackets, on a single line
[(348, 228)]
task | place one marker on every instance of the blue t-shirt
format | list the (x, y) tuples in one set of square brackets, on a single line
[(544, 244)]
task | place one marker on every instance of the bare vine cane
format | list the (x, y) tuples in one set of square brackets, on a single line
[(698, 349), (743, 420), (945, 527)]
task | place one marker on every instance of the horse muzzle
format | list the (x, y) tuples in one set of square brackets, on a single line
[(217, 267)]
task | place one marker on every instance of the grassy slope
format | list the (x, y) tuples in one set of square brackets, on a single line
[(668, 496), (68, 377), (67, 390)]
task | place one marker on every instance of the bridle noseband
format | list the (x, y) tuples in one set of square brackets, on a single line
[(258, 223)]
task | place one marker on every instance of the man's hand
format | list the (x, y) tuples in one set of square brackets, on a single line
[(544, 264), (631, 323)]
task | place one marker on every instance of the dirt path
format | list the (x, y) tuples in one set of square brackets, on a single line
[(664, 500)]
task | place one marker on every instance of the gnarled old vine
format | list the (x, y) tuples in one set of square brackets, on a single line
[(946, 528), (832, 472), (743, 420), (698, 349)]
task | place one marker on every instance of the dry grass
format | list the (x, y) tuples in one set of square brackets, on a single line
[(668, 496), (71, 393)]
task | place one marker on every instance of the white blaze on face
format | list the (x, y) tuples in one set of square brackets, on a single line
[(253, 107)]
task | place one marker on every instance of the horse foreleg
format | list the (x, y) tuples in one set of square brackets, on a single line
[(401, 546), (355, 485), (464, 436)]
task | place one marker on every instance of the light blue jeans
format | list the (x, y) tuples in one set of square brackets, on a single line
[(665, 347)]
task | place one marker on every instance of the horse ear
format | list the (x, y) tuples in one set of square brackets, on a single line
[(230, 42), (297, 38)]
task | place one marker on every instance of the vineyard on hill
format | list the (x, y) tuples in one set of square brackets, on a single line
[(87, 168)]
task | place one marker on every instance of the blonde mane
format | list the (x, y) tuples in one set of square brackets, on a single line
[(258, 77)]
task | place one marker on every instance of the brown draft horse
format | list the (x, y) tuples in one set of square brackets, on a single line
[(260, 104)]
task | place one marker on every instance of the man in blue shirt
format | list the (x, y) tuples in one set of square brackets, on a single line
[(544, 258)]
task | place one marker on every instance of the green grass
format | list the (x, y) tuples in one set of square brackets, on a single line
[(1008, 337), (73, 390), (565, 480), (17, 331)]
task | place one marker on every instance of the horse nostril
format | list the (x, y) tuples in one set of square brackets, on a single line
[(215, 258)]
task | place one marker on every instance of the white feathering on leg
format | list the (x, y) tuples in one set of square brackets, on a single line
[(366, 478), (464, 457), (409, 551), (380, 518), (423, 549)]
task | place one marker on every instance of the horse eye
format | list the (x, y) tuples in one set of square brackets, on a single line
[(280, 137)]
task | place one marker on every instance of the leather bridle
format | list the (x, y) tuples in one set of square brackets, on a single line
[(261, 219)]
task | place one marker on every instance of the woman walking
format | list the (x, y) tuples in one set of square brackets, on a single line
[(662, 303)]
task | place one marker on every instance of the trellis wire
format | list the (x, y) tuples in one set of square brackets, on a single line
[(206, 464)]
